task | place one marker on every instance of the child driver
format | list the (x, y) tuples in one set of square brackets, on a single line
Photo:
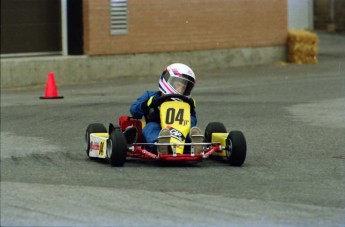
[(176, 79)]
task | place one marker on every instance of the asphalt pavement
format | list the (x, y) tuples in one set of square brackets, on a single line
[(294, 175)]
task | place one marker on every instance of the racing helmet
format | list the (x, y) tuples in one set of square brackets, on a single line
[(177, 78)]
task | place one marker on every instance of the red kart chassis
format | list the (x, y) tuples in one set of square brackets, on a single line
[(137, 151)]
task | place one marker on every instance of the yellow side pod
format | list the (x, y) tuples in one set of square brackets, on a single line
[(220, 138)]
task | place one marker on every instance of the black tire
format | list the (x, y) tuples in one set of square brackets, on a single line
[(92, 128), (213, 127), (236, 149), (117, 148)]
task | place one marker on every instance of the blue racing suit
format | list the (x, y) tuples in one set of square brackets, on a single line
[(152, 128)]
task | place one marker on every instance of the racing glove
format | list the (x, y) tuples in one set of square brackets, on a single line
[(145, 106)]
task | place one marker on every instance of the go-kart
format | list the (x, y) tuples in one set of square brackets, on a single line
[(112, 144)]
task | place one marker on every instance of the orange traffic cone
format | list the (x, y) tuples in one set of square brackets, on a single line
[(51, 91)]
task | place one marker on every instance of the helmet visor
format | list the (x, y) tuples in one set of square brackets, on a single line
[(181, 85)]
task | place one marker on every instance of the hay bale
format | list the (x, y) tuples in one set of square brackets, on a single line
[(302, 47)]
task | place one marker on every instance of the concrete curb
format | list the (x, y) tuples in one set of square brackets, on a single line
[(19, 72)]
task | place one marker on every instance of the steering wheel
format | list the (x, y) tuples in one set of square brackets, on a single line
[(157, 102)]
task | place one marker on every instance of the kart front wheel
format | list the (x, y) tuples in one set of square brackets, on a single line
[(92, 128), (236, 148), (117, 148), (213, 127)]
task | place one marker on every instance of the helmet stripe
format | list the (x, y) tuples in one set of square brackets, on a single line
[(162, 89), (176, 72), (167, 87)]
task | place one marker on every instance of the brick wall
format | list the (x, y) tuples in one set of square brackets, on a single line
[(185, 25), (322, 15)]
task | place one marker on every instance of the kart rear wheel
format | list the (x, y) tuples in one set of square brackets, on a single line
[(92, 128), (213, 127), (117, 148), (236, 148)]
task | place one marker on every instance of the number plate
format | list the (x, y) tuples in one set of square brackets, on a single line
[(176, 117)]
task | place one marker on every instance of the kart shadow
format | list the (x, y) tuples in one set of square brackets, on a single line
[(99, 160), (159, 163), (209, 162), (136, 162)]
